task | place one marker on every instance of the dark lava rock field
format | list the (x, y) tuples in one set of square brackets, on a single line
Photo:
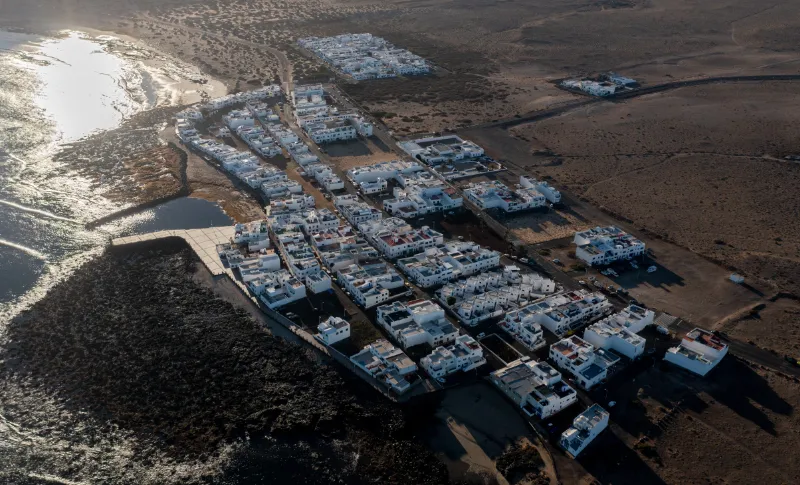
[(132, 344)]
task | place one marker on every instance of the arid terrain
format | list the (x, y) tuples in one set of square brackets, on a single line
[(699, 172), (703, 167)]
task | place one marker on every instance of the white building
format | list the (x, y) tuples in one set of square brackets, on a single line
[(239, 117), (254, 234), (370, 282), (418, 200), (563, 312), (595, 88), (387, 364), (464, 355), (333, 330), (375, 187), (585, 428), (399, 241), (389, 170), (266, 261), (318, 281), (355, 210), (283, 206), (536, 387), (495, 194), (493, 293), (364, 56), (604, 245), (324, 128), (588, 365), (281, 188), (618, 332), (441, 149), (548, 191), (441, 264), (699, 352), (277, 289), (417, 322)]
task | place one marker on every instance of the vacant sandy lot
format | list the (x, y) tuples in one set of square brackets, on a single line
[(774, 327), (690, 420), (357, 153), (474, 426)]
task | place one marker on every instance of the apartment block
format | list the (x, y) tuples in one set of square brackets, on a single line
[(604, 245), (496, 195), (618, 332), (441, 264), (536, 387), (588, 365), (417, 322), (370, 282), (464, 355)]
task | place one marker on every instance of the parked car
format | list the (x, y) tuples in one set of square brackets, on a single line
[(652, 269), (662, 330), (557, 261), (523, 260), (598, 284), (581, 282)]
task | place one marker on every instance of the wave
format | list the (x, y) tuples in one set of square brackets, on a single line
[(24, 249), (41, 212)]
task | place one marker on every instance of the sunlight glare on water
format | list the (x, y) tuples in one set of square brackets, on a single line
[(84, 88)]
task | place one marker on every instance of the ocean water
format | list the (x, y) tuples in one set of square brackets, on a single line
[(55, 92)]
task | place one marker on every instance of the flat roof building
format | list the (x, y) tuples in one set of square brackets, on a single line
[(333, 330), (604, 245), (585, 428), (588, 365), (699, 352), (464, 355), (536, 387)]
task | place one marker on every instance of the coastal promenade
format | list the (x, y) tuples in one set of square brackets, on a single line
[(203, 242)]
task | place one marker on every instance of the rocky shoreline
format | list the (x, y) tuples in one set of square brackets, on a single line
[(134, 343)]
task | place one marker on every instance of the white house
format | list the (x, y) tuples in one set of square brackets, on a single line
[(254, 267), (277, 289), (585, 428), (618, 332), (387, 364), (398, 242), (254, 234), (417, 322), (370, 282), (548, 191), (588, 365), (333, 330), (699, 352), (604, 245), (495, 194), (438, 265), (536, 387), (464, 355)]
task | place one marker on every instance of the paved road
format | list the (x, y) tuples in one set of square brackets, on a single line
[(558, 110)]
